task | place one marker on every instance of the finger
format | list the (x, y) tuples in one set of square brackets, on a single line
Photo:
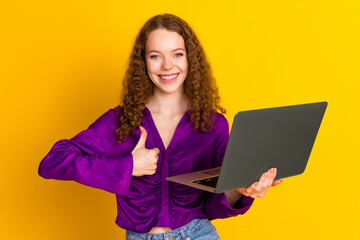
[(262, 178), (275, 172), (241, 190), (268, 180), (260, 184), (152, 172), (251, 188), (272, 171), (272, 176), (156, 151), (262, 193), (142, 139), (276, 182), (251, 193)]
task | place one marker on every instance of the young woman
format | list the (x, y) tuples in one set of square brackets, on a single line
[(169, 122)]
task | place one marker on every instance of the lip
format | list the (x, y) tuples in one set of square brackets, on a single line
[(168, 75)]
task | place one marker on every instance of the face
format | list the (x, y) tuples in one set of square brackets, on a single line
[(166, 60)]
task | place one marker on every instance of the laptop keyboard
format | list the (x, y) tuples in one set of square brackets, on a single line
[(210, 182)]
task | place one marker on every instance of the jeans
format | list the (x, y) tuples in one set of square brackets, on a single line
[(199, 229)]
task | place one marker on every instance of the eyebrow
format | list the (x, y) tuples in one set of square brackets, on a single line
[(172, 50)]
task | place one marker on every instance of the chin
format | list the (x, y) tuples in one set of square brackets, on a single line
[(169, 89)]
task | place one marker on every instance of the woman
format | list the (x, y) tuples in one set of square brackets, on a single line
[(167, 124)]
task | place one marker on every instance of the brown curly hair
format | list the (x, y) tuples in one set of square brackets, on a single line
[(199, 86)]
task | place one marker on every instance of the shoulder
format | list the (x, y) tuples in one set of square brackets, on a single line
[(220, 123), (112, 113), (109, 119), (221, 132)]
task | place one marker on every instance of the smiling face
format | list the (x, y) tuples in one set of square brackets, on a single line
[(166, 60)]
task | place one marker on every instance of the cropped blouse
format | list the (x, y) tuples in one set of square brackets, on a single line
[(94, 158)]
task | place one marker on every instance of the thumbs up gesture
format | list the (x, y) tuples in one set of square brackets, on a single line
[(145, 160)]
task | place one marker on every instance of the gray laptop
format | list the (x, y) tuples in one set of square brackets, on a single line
[(280, 137)]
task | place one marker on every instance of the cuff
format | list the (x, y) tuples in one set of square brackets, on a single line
[(241, 206), (125, 175), (218, 207), (244, 202)]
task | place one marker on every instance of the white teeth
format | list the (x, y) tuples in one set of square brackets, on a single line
[(169, 77)]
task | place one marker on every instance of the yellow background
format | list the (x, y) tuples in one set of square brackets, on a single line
[(61, 68)]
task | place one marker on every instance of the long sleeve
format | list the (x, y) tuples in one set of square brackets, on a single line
[(85, 158), (216, 205)]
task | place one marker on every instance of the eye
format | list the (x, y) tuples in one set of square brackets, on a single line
[(154, 56), (179, 54)]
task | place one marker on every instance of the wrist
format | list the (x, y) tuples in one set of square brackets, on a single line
[(233, 196), (238, 192)]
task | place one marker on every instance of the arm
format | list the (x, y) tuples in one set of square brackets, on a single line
[(226, 204), (85, 159), (232, 197)]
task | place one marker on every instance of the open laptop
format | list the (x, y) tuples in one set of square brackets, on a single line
[(280, 137)]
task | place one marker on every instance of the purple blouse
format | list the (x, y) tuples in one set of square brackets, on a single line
[(94, 158)]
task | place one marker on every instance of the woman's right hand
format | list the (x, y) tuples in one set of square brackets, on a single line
[(145, 160)]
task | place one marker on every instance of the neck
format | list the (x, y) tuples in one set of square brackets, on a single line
[(168, 104)]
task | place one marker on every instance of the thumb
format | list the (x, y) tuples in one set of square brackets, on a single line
[(142, 139), (276, 182)]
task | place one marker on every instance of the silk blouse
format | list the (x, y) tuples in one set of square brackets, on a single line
[(94, 158)]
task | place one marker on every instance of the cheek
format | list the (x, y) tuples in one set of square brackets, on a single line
[(184, 66), (152, 67), (186, 69)]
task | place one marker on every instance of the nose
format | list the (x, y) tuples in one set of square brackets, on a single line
[(166, 64)]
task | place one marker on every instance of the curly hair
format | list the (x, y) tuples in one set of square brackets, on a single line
[(199, 86)]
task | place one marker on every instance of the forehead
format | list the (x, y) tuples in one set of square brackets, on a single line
[(164, 40)]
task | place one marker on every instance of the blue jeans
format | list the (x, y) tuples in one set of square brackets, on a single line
[(199, 229)]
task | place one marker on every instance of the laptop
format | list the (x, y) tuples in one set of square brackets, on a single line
[(280, 137)]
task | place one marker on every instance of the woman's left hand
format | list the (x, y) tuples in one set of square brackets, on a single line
[(258, 189)]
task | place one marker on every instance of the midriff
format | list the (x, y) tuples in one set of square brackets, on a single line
[(157, 230)]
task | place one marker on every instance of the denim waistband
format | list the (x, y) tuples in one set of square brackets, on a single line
[(184, 231)]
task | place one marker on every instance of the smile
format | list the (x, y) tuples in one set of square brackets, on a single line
[(168, 77)]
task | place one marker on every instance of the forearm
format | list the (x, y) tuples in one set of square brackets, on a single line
[(232, 197), (67, 161)]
